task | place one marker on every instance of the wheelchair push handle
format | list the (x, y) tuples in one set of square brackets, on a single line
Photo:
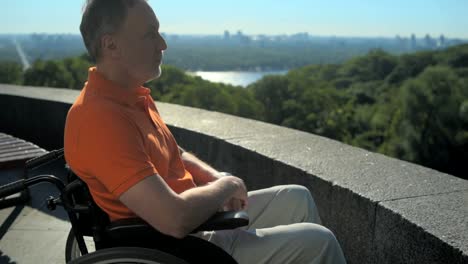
[(52, 155), (12, 188), (18, 186), (21, 185)]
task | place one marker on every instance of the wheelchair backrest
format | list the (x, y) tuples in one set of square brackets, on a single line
[(86, 218), (91, 219)]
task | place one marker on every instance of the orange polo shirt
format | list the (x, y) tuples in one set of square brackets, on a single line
[(115, 138)]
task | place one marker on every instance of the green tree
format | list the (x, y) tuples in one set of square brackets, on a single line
[(272, 92), (411, 65), (413, 107), (432, 120), (10, 72), (49, 74), (376, 65), (77, 67)]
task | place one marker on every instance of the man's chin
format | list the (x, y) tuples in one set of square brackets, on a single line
[(155, 75), (158, 72)]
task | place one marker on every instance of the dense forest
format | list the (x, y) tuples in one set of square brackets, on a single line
[(232, 52), (225, 56), (413, 106)]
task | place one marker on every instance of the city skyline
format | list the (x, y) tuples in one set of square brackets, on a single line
[(350, 18)]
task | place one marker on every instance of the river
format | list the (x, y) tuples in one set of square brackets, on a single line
[(239, 78)]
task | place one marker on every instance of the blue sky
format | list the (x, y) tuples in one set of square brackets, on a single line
[(317, 17)]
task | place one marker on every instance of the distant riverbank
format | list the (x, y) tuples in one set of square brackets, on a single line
[(238, 78)]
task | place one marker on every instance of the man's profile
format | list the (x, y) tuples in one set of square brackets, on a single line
[(116, 141)]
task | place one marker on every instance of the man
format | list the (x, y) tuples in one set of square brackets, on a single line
[(116, 141)]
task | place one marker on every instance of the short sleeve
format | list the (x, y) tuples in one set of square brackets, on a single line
[(112, 150)]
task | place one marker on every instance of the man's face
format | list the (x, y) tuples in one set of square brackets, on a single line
[(140, 44)]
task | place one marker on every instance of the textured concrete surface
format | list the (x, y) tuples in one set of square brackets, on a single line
[(382, 210), (421, 223)]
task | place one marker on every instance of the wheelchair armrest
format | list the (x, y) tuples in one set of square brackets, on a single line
[(219, 221), (132, 224), (224, 220)]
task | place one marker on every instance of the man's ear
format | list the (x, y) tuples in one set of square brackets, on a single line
[(109, 46)]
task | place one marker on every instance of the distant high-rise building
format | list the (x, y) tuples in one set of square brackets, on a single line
[(401, 42), (227, 35), (398, 39), (429, 43), (241, 38), (442, 41), (262, 40), (413, 42), (301, 37)]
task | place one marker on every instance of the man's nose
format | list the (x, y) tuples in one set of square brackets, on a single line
[(162, 44)]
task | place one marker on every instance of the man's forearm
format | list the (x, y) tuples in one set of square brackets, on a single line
[(202, 202), (178, 214), (202, 173)]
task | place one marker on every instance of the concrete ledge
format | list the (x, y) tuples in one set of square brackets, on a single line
[(382, 210)]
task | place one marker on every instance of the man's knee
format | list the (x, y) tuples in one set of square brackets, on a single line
[(297, 192), (297, 188), (318, 231), (318, 235)]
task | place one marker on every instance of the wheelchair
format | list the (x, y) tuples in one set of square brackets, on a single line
[(125, 240)]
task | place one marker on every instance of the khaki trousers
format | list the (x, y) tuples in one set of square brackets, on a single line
[(284, 227)]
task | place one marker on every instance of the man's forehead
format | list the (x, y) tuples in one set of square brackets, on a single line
[(154, 27), (142, 12)]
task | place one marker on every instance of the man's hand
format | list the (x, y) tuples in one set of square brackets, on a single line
[(238, 201), (202, 173), (185, 211), (234, 204)]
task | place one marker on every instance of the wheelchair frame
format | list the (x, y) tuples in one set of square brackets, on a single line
[(133, 236)]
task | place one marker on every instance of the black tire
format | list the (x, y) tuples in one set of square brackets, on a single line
[(128, 255), (72, 251)]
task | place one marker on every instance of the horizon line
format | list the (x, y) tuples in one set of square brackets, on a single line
[(263, 34)]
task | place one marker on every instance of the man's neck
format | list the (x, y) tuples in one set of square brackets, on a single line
[(118, 76)]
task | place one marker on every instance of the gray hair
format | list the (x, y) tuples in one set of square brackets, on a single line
[(102, 17)]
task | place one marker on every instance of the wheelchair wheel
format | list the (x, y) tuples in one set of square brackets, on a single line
[(72, 251), (128, 255)]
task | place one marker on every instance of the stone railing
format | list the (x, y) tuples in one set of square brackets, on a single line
[(382, 210)]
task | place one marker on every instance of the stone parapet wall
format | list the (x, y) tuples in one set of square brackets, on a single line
[(382, 210)]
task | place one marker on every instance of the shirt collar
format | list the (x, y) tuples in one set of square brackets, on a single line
[(98, 84)]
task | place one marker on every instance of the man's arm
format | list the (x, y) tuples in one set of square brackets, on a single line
[(202, 173), (178, 214)]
